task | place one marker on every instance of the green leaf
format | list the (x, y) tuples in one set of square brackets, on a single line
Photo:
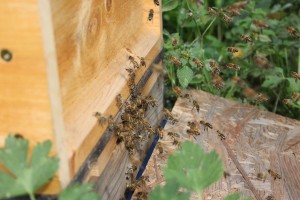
[(169, 5), (24, 177), (185, 76), (234, 196), (79, 192), (169, 192), (272, 81), (294, 86), (192, 168)]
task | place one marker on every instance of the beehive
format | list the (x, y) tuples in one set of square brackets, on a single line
[(68, 61)]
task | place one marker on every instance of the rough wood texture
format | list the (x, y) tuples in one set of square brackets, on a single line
[(259, 141)]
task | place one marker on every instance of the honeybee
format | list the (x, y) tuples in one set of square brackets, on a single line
[(160, 147), (259, 98), (194, 131), (215, 69), (221, 135), (270, 197), (233, 11), (226, 18), (175, 60), (293, 32), (261, 176), (160, 132), (187, 96), (151, 101), (261, 24), (18, 136), (142, 62), (218, 82), (174, 42), (212, 11), (245, 38), (176, 142), (135, 64), (233, 66), (169, 115), (295, 75), (120, 139), (232, 49), (156, 2), (206, 125), (177, 91), (226, 174), (196, 105), (287, 101), (100, 118), (198, 63), (192, 125), (240, 4), (261, 61), (126, 117), (151, 14), (274, 174), (119, 101), (295, 96), (249, 92), (173, 135)]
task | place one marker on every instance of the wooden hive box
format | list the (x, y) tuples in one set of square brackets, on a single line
[(68, 62)]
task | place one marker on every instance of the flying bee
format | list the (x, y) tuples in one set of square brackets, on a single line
[(119, 101), (177, 91), (174, 42), (233, 11), (227, 19), (295, 96), (218, 82), (240, 4), (175, 60), (293, 32), (198, 63), (296, 76), (215, 69), (261, 176), (151, 15), (232, 49), (135, 64), (261, 24), (142, 62), (259, 98), (160, 131), (212, 11), (206, 125), (196, 105), (156, 2), (221, 135), (245, 38), (274, 174), (173, 135), (233, 66), (160, 147), (100, 118), (287, 101)]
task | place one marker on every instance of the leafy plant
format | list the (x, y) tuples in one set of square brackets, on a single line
[(189, 170), (24, 176)]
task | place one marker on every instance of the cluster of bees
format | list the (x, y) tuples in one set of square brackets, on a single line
[(262, 177)]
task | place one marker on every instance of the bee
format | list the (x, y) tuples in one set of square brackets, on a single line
[(173, 135), (126, 117), (261, 61), (132, 169), (274, 174), (177, 91), (212, 11), (160, 132), (18, 136), (270, 197), (233, 11), (142, 196), (245, 38), (218, 82), (226, 174), (221, 135), (198, 63), (293, 32), (187, 96), (100, 118), (295, 75), (176, 142), (259, 98), (226, 18), (151, 15), (215, 69), (295, 96), (175, 60), (240, 4), (160, 147), (192, 125), (249, 92), (196, 105), (174, 42), (135, 64), (156, 2), (287, 101), (206, 125), (261, 176), (194, 131), (142, 62), (120, 139), (232, 49), (261, 24), (151, 101), (119, 101), (169, 116), (233, 66)]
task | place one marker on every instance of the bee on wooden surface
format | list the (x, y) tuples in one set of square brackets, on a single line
[(160, 147), (176, 142), (218, 82), (193, 129), (261, 24), (270, 197), (120, 139), (196, 105), (142, 196), (175, 60), (261, 176), (296, 76), (135, 64), (295, 96), (156, 2), (119, 101), (226, 174), (274, 174), (192, 125), (177, 91), (160, 131), (259, 98), (150, 100), (100, 118), (233, 11), (187, 96), (212, 11), (240, 4), (173, 135), (232, 49), (132, 169), (206, 125), (18, 136), (126, 117), (245, 38), (198, 63), (151, 15), (261, 61), (221, 135), (293, 32), (227, 19), (142, 62)]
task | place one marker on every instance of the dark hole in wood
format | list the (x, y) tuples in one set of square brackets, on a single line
[(6, 55)]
